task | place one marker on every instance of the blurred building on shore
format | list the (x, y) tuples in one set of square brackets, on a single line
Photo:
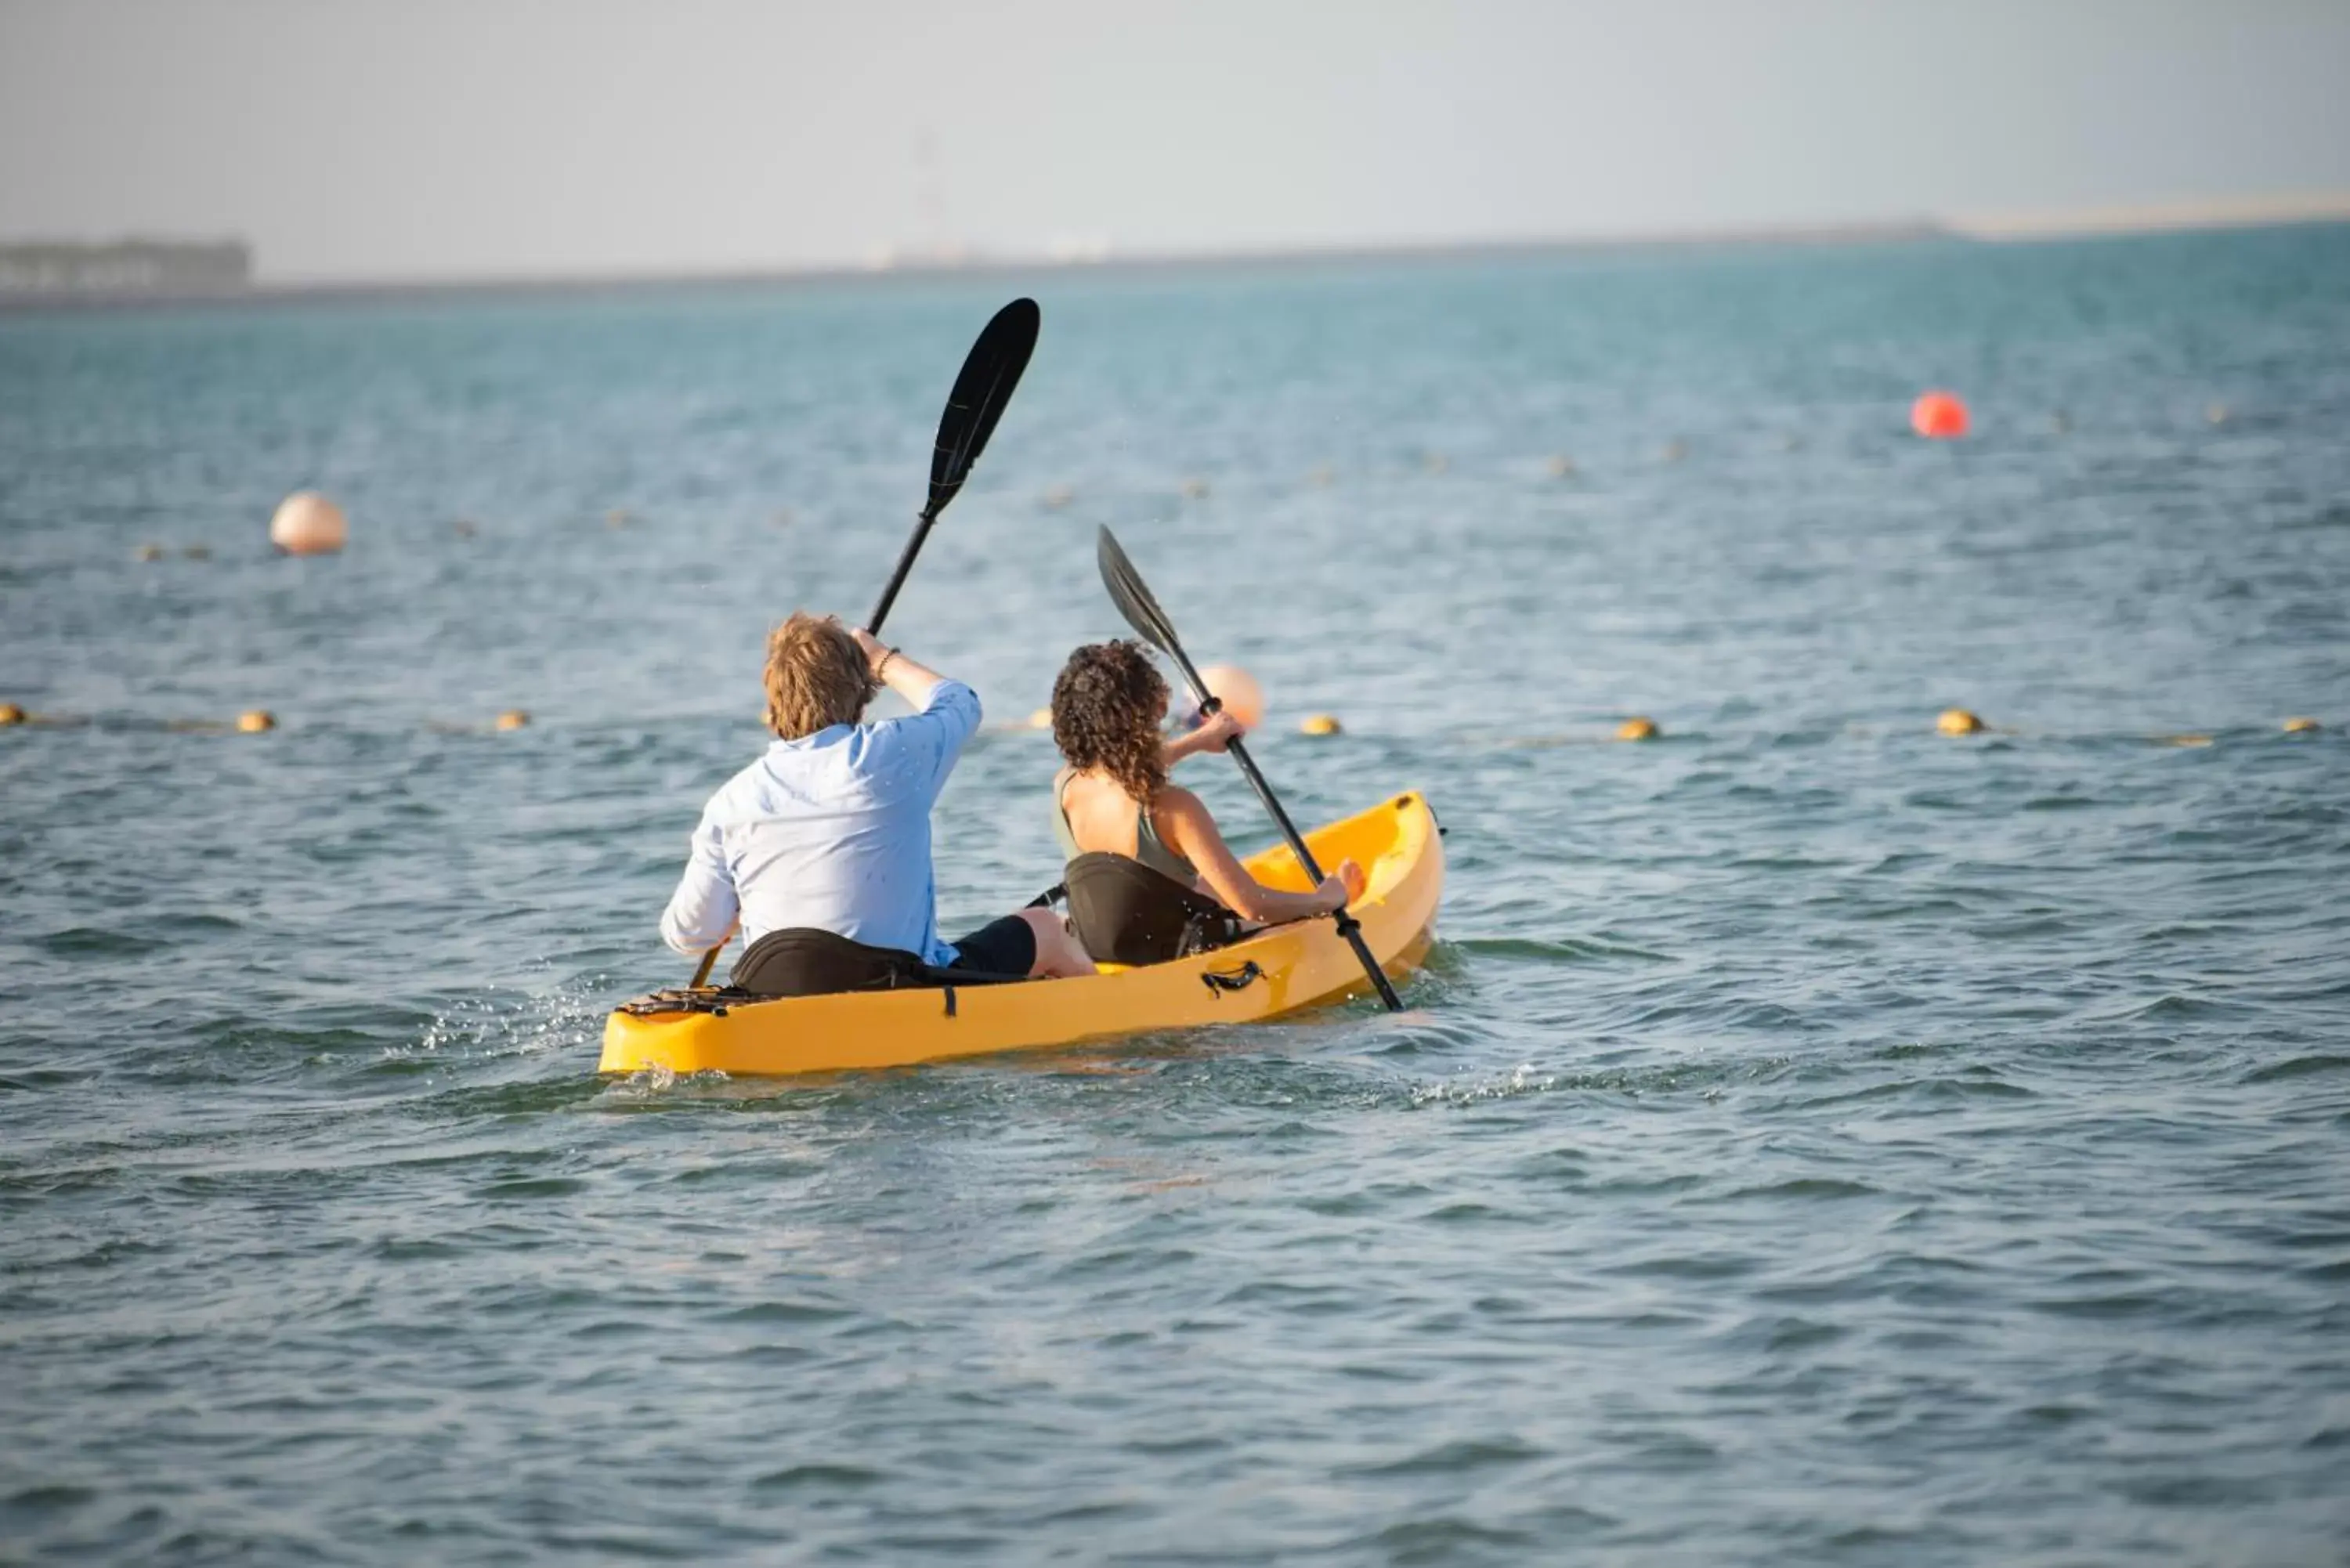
[(122, 268)]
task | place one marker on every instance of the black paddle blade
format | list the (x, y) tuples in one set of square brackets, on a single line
[(1133, 598), (989, 373)]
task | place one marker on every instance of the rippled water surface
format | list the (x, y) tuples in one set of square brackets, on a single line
[(1815, 1139)]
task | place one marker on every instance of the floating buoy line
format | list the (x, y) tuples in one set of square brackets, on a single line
[(251, 722), (1952, 722)]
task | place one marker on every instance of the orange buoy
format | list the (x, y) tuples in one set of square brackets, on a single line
[(307, 524), (513, 718), (1636, 728), (11, 714), (1938, 416), (1242, 698), (255, 721)]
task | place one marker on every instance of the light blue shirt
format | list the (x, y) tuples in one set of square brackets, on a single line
[(833, 831)]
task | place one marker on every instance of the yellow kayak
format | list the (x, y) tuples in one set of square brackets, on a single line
[(1278, 971)]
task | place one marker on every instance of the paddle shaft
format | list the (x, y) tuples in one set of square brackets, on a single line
[(1348, 926), (709, 961), (905, 569)]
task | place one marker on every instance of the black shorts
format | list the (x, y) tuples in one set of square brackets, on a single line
[(1004, 946)]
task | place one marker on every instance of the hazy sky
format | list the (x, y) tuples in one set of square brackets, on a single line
[(354, 138)]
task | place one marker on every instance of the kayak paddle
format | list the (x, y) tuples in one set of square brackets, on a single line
[(989, 371), (985, 385), (1134, 601)]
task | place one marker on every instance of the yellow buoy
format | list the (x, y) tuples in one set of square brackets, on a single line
[(1636, 728), (1320, 725), (150, 553), (513, 718), (2302, 726), (1958, 721), (10, 714), (1042, 718), (307, 524), (254, 720)]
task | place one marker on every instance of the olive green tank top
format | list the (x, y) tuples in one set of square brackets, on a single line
[(1148, 849)]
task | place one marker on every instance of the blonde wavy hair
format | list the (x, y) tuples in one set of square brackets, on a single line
[(817, 677)]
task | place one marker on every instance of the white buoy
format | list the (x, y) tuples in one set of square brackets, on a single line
[(1242, 698), (307, 524)]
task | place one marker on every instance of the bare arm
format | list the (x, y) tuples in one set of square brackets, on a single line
[(1192, 833), (1215, 733), (913, 682)]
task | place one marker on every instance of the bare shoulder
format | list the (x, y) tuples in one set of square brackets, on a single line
[(1177, 800), (1178, 808)]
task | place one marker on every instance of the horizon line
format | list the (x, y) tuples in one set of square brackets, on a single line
[(932, 264)]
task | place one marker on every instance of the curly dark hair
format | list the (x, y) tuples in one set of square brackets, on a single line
[(1106, 710)]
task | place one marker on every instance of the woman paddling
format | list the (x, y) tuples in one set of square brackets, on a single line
[(1150, 876)]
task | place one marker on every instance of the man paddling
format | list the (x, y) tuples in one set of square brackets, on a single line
[(821, 849)]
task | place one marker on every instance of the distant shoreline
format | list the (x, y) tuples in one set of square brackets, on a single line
[(2006, 229)]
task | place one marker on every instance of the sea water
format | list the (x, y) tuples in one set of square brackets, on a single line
[(1814, 1139)]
